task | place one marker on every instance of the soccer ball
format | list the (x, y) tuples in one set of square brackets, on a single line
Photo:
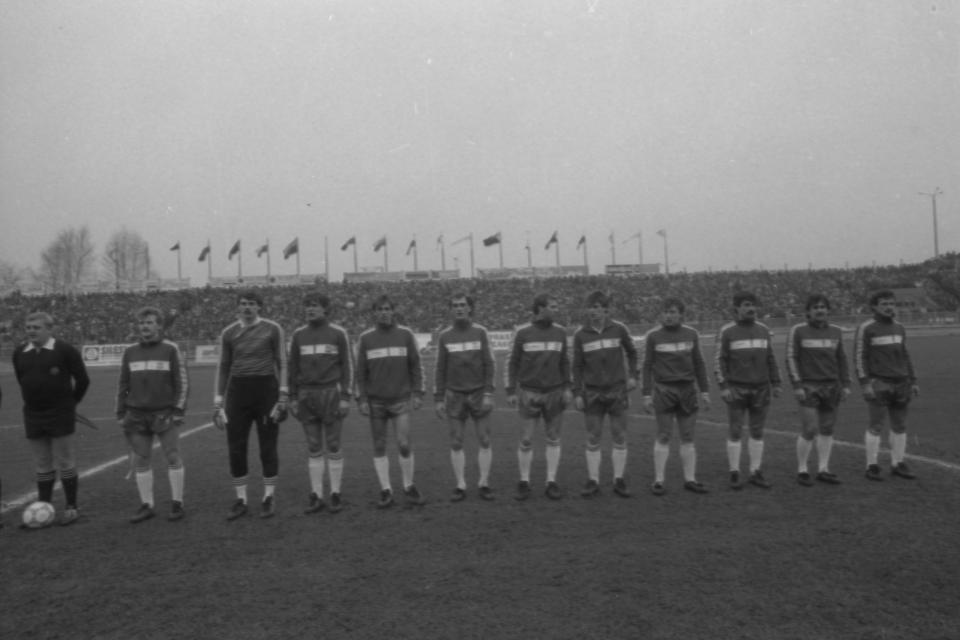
[(38, 515)]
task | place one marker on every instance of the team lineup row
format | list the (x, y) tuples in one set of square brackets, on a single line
[(259, 381)]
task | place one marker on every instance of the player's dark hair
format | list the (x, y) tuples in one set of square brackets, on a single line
[(540, 301), (815, 299), (316, 299), (462, 295), (744, 296), (882, 294), (250, 294), (382, 300), (673, 303), (42, 316), (598, 297), (145, 312)]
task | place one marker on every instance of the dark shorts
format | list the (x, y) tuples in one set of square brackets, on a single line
[(385, 409), (825, 396), (147, 423), (319, 405), (889, 393), (744, 397), (540, 404), (600, 402), (463, 404), (48, 423), (675, 398)]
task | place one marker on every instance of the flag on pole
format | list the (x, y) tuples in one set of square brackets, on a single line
[(379, 244), (175, 247), (582, 241), (662, 233), (552, 240), (263, 249), (633, 237), (292, 248), (440, 240), (463, 239), (204, 253), (234, 250), (413, 245), (349, 243), (489, 241)]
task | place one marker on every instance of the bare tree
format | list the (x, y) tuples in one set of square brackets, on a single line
[(126, 258), (11, 277), (67, 260)]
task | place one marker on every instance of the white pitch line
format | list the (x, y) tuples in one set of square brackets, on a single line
[(30, 496)]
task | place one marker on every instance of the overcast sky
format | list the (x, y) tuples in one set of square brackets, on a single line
[(757, 133)]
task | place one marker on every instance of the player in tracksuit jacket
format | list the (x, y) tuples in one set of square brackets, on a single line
[(320, 378), (674, 386), (463, 388), (389, 383), (151, 400), (747, 374), (537, 381), (604, 373), (817, 366), (886, 375)]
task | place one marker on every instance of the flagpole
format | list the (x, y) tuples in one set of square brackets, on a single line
[(179, 272), (639, 247), (355, 268), (268, 259), (585, 265), (240, 263), (386, 265), (613, 250), (443, 255), (529, 253), (666, 254), (209, 263), (556, 246), (472, 270), (326, 259)]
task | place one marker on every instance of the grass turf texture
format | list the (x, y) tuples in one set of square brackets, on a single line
[(863, 560)]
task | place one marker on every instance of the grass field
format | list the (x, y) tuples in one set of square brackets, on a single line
[(860, 561)]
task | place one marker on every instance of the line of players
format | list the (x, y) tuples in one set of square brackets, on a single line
[(258, 382)]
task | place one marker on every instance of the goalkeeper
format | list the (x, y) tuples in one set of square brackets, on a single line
[(251, 388)]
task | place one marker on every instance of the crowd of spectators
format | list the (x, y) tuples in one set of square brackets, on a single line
[(199, 314)]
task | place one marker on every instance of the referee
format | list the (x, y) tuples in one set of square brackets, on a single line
[(53, 380)]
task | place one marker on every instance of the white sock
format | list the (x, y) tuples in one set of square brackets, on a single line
[(803, 453), (593, 464), (382, 465), (553, 460), (619, 458), (898, 447), (406, 470), (484, 461), (145, 486), (241, 490), (335, 469), (688, 456), (733, 454), (269, 484), (525, 459), (315, 469), (824, 447), (175, 475), (872, 444), (755, 450), (661, 453), (459, 462)]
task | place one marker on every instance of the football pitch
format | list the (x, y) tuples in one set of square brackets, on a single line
[(862, 560)]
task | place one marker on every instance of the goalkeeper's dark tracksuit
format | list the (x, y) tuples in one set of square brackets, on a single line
[(253, 359)]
